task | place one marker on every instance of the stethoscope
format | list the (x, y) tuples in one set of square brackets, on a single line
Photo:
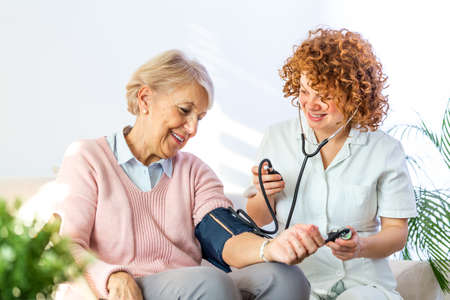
[(248, 220)]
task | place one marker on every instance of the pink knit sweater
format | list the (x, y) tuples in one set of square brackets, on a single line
[(127, 229)]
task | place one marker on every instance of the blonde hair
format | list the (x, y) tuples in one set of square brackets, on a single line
[(170, 69)]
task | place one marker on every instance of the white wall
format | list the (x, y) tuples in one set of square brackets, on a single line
[(64, 66)]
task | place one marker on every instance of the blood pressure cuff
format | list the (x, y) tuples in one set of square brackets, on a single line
[(217, 227)]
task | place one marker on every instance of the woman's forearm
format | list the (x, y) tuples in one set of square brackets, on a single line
[(390, 239), (290, 247), (258, 210), (242, 250)]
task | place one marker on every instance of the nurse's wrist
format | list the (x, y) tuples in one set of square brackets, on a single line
[(361, 251)]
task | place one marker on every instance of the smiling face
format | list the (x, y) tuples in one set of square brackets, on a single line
[(322, 116), (167, 120)]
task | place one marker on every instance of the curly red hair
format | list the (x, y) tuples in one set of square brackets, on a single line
[(340, 64)]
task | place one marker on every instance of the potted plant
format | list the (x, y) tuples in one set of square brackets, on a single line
[(429, 232), (32, 261)]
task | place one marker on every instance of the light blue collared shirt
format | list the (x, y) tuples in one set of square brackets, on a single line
[(145, 177)]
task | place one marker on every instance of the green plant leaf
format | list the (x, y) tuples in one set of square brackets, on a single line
[(427, 132), (429, 232), (445, 136), (29, 263), (441, 278)]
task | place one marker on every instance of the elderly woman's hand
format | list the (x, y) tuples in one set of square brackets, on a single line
[(122, 286), (346, 249), (294, 244)]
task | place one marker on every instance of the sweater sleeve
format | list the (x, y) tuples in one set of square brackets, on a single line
[(208, 191), (75, 195)]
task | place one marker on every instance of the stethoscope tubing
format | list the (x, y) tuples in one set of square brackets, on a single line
[(248, 220), (300, 175)]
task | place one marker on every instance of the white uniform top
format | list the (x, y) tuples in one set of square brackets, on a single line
[(367, 179)]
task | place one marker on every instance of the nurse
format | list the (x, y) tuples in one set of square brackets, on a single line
[(358, 180)]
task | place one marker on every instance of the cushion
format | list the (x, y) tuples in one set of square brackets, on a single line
[(415, 280)]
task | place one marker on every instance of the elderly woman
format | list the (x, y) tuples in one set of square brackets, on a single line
[(358, 179), (149, 212)]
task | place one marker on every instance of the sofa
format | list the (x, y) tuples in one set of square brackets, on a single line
[(415, 279)]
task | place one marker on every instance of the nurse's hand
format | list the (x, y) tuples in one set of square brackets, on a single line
[(273, 183), (122, 286), (256, 204), (294, 244), (346, 249)]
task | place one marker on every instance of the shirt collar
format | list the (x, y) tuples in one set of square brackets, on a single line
[(166, 164), (357, 137), (124, 154)]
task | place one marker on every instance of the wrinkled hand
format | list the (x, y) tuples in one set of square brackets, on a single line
[(273, 183), (122, 286), (294, 244), (346, 249)]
